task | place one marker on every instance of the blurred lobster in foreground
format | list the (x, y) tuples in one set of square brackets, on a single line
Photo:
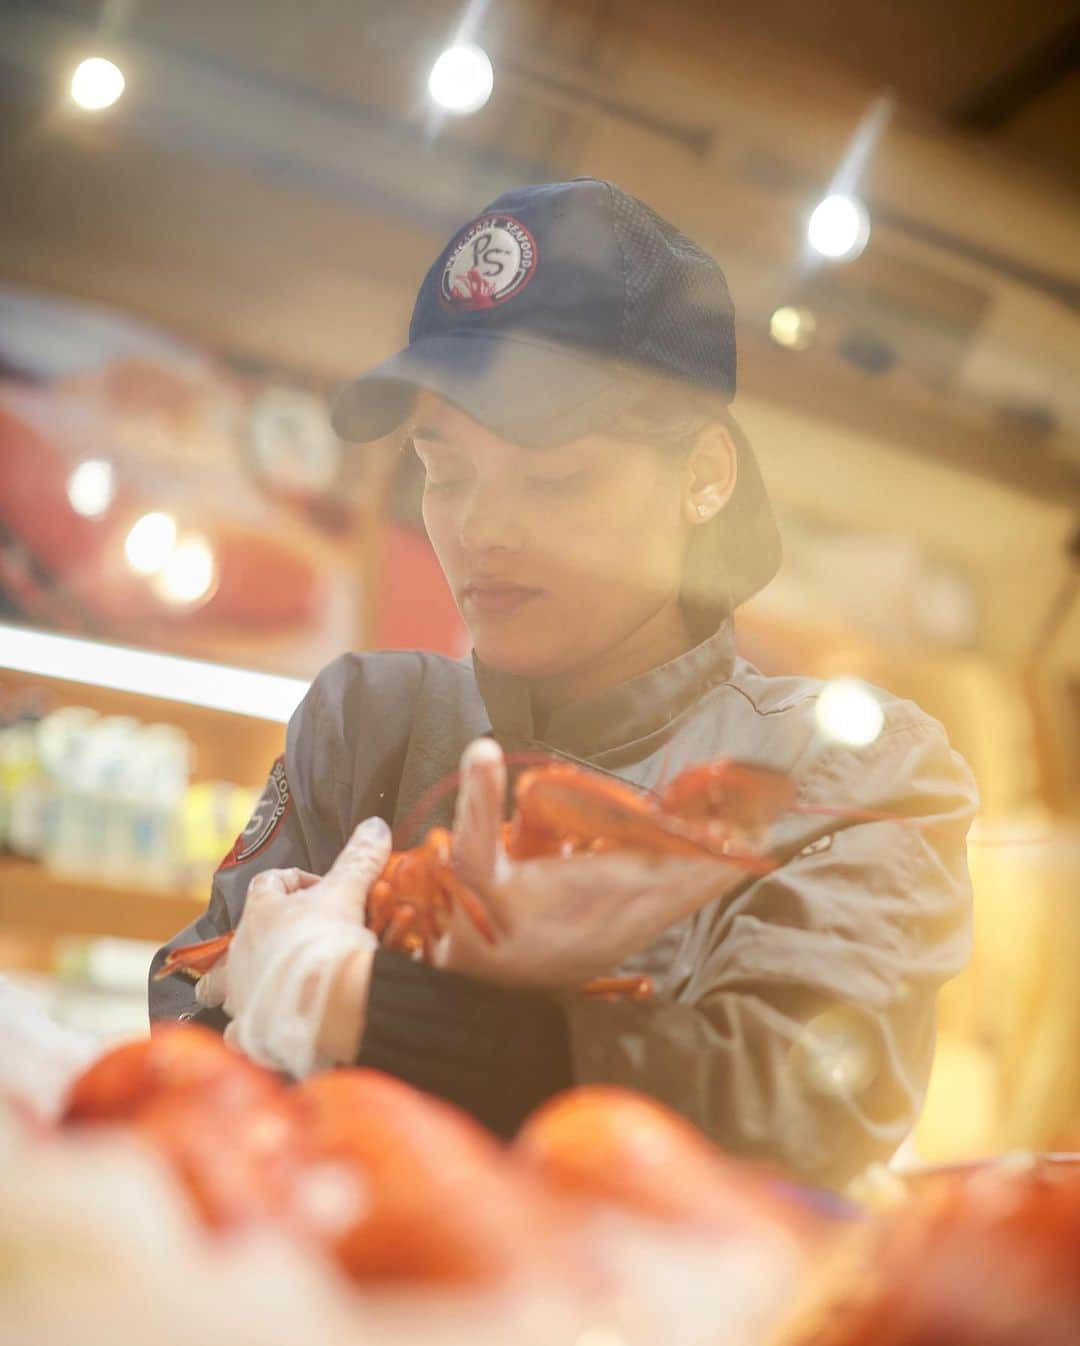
[(987, 1255), (604, 1193), (719, 810), (400, 1187)]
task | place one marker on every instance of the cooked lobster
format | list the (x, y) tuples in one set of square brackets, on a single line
[(987, 1255), (398, 1187), (718, 810)]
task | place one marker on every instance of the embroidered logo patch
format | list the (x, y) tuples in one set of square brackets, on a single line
[(273, 805), (493, 260)]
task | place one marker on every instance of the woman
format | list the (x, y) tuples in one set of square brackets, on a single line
[(599, 516)]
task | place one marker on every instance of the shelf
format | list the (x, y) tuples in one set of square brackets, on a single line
[(33, 899), (227, 747)]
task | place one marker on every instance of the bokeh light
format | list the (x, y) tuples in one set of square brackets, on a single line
[(793, 328), (835, 1055), (188, 573), (91, 488), (839, 227), (96, 84), (847, 711), (150, 542), (462, 79)]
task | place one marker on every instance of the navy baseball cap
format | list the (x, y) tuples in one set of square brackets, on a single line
[(557, 308)]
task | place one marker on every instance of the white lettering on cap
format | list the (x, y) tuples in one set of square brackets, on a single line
[(491, 262)]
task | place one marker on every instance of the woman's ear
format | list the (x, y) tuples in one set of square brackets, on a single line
[(710, 473)]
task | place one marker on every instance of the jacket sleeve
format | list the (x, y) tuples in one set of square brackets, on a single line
[(496, 1053), (300, 821), (803, 1032)]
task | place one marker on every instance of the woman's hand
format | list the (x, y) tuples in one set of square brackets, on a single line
[(299, 961), (560, 922)]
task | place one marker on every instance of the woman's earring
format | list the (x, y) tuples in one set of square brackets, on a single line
[(703, 510)]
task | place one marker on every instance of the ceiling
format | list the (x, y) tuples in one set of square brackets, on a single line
[(1003, 73)]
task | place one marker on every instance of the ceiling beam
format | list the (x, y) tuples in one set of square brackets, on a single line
[(1031, 75)]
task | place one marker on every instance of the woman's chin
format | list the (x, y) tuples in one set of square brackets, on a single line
[(521, 656)]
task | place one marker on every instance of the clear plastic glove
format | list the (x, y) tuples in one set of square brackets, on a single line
[(561, 922), (295, 934)]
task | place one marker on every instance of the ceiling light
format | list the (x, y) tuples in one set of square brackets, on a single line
[(150, 542), (839, 228), (461, 79), (91, 487), (96, 84)]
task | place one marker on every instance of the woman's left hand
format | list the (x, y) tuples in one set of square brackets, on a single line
[(560, 922)]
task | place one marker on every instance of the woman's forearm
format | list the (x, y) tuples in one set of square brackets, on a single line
[(342, 1028), (495, 1052)]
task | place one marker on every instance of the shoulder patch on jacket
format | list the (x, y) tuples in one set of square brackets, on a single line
[(273, 804)]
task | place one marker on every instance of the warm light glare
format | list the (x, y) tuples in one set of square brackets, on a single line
[(793, 328), (150, 543), (91, 487), (188, 573), (847, 711), (835, 1055), (266, 696), (96, 84), (461, 79), (839, 228)]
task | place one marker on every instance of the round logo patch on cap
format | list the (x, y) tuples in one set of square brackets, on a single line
[(490, 263)]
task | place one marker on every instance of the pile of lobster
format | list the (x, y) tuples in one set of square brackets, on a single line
[(402, 1190), (719, 810), (979, 1255), (607, 1214), (400, 1187)]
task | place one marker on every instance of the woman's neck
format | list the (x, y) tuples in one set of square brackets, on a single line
[(662, 637)]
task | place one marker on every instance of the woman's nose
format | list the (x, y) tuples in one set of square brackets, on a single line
[(489, 522)]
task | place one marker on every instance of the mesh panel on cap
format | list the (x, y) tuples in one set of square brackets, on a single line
[(678, 314)]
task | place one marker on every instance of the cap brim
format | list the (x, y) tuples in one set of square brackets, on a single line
[(529, 392)]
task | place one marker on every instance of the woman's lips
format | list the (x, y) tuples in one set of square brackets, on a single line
[(497, 597)]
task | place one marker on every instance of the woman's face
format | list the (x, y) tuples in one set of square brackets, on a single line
[(555, 556)]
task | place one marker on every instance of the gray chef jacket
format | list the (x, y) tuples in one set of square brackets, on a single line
[(793, 1019)]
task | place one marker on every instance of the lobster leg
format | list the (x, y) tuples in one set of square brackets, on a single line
[(403, 932), (194, 959), (380, 907), (453, 889)]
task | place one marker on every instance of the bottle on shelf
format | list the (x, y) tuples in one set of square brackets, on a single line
[(23, 785), (160, 783), (51, 826)]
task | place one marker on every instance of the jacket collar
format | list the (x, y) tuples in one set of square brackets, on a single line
[(613, 718)]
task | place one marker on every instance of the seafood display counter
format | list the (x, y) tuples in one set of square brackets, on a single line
[(174, 1191)]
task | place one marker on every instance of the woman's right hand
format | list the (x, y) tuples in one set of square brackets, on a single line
[(560, 922), (299, 939)]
